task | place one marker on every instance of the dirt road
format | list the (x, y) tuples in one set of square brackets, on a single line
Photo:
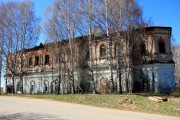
[(14, 108)]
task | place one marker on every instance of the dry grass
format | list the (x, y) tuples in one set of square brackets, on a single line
[(122, 102)]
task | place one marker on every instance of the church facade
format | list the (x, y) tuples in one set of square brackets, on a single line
[(48, 68)]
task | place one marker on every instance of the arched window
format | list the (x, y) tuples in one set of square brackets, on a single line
[(19, 86), (142, 47), (54, 86), (46, 86), (102, 51), (161, 44), (32, 87)]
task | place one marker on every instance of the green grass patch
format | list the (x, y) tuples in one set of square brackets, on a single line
[(121, 102)]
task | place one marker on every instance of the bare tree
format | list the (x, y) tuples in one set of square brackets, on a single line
[(2, 13), (64, 16), (1, 51), (116, 22), (29, 33), (21, 32), (90, 43), (176, 58), (86, 12), (109, 48), (124, 18), (117, 16), (113, 18), (54, 30), (133, 21)]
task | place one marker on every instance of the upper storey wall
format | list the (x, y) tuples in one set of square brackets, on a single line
[(158, 42), (157, 47)]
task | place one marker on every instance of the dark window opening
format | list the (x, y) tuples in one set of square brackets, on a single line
[(161, 46), (30, 61), (19, 86), (46, 89), (142, 48), (31, 89), (102, 51), (46, 59), (9, 89), (87, 55), (37, 60)]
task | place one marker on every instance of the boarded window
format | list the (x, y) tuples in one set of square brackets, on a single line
[(161, 46), (37, 60), (46, 59), (102, 51)]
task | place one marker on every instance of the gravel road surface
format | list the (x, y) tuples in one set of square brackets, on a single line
[(15, 108)]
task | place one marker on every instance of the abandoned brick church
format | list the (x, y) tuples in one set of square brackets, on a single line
[(154, 74)]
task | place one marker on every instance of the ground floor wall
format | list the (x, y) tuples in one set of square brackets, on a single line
[(160, 77), (147, 78)]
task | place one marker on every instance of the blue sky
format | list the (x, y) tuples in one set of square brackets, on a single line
[(161, 13)]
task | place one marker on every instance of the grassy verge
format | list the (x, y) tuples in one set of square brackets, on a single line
[(121, 102)]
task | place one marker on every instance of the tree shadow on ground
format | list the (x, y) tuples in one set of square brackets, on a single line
[(29, 116)]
